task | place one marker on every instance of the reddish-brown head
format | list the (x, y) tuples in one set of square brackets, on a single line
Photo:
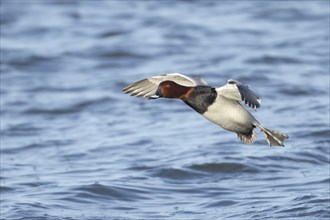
[(170, 89)]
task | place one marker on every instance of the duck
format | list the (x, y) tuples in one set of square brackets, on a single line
[(221, 105)]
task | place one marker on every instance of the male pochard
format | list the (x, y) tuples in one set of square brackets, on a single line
[(219, 105)]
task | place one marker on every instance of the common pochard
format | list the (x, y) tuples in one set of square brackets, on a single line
[(219, 105)]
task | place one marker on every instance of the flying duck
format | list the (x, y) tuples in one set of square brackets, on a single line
[(219, 105)]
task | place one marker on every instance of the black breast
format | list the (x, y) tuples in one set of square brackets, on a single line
[(201, 98)]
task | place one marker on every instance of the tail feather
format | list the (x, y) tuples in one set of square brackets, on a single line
[(274, 138), (248, 138)]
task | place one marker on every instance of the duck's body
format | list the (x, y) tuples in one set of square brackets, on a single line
[(237, 118), (219, 105)]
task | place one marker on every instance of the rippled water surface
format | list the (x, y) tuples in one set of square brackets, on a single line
[(73, 146)]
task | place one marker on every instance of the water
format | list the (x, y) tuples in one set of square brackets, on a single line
[(73, 146)]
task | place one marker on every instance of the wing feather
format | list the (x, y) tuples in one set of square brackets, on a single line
[(148, 87), (240, 92)]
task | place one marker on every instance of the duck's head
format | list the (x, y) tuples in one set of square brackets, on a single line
[(170, 89)]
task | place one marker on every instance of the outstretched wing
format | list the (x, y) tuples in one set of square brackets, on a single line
[(148, 87), (239, 92)]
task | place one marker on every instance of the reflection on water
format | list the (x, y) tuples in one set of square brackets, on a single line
[(73, 146)]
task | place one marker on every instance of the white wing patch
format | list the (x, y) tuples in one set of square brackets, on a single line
[(240, 92)]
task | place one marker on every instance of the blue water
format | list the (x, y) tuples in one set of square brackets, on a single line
[(74, 146)]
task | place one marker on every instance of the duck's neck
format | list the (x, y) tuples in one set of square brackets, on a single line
[(200, 98)]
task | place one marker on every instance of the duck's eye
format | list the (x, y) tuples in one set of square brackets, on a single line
[(168, 85)]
